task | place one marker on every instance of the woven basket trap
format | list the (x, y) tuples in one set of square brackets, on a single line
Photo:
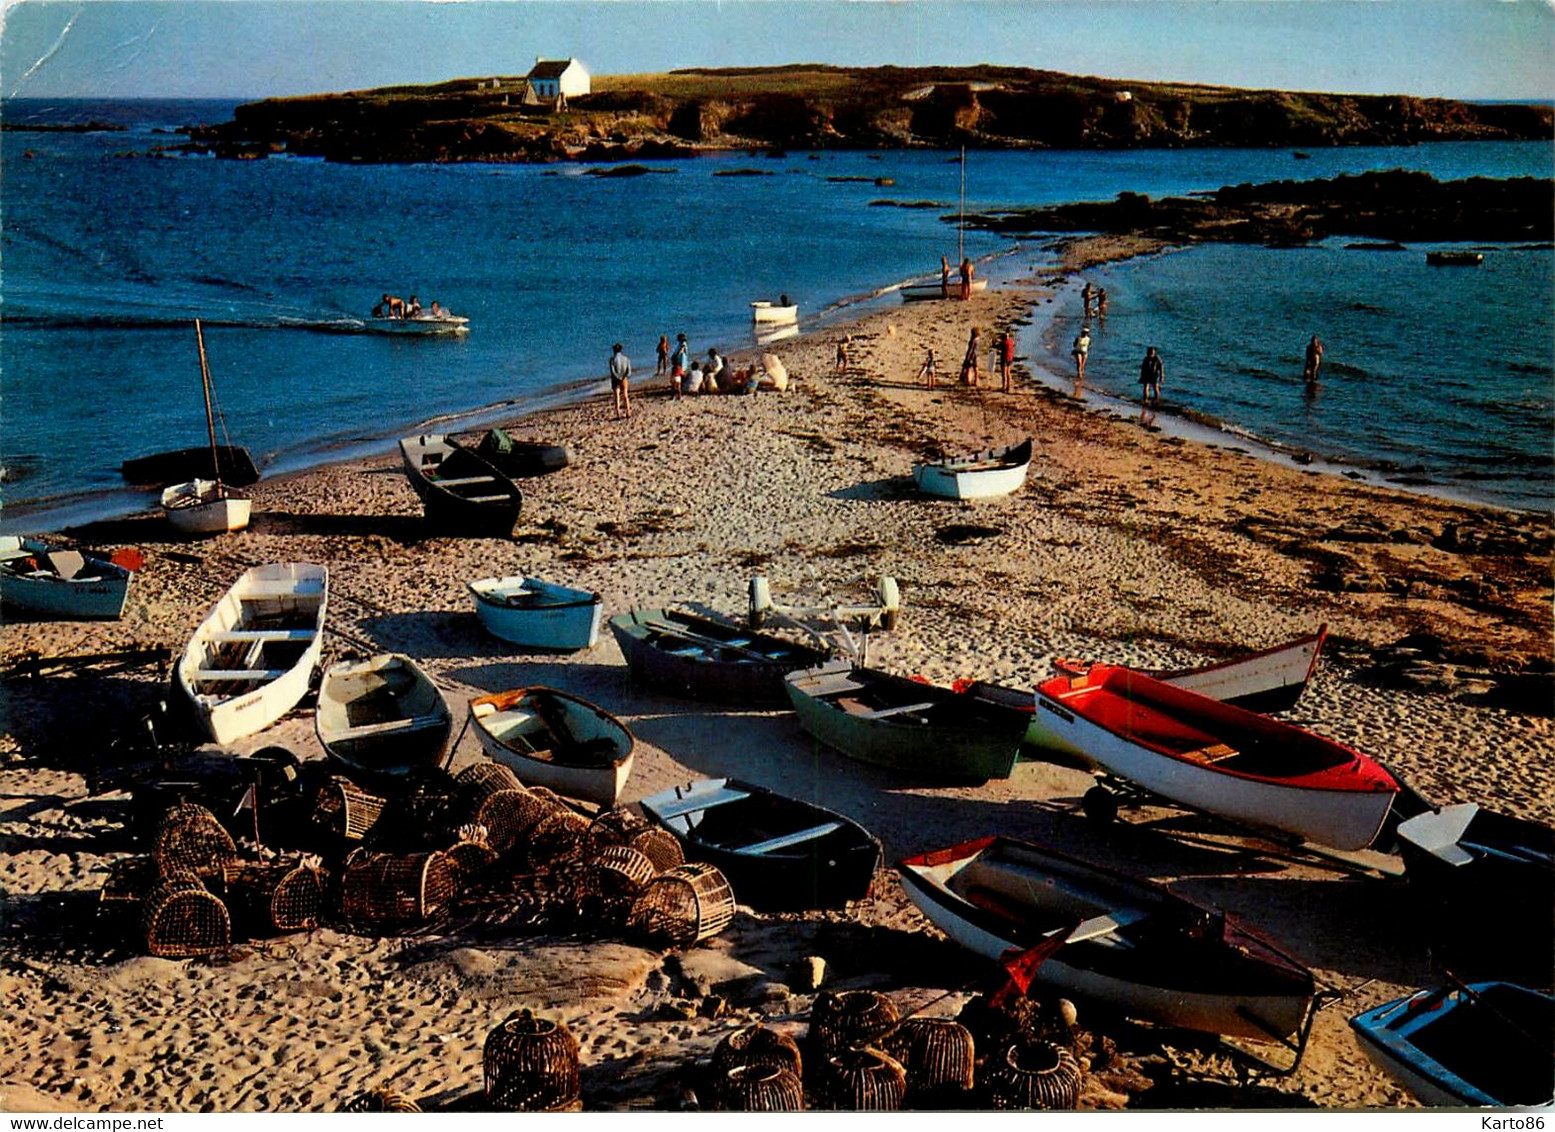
[(684, 906), (389, 889), (761, 1088), (346, 810), (182, 919), (190, 840), (531, 1064), (287, 896)]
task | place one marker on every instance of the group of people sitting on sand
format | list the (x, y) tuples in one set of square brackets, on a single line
[(392, 306), (715, 375)]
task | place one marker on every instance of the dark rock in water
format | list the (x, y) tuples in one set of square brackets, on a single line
[(1374, 246), (618, 171)]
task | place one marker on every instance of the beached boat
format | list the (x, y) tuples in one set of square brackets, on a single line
[(1218, 758), (1465, 866), (536, 614), (778, 853), (556, 740), (60, 582), (251, 659), (521, 459), (703, 659), (1133, 944), (201, 506), (763, 311), (419, 325), (382, 716), (927, 292), (232, 463), (1269, 680), (983, 475), (903, 724), (1454, 259), (1476, 1045), (206, 507), (461, 492)]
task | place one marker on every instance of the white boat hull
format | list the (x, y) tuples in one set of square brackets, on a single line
[(765, 312), (986, 475), (99, 589), (225, 671), (929, 292), (501, 727), (1342, 819), (200, 508), (554, 617), (420, 325)]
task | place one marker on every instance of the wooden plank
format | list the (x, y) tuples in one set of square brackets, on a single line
[(1105, 924), (210, 675), (463, 481), (388, 726), (790, 839), (899, 709), (263, 635), (699, 800)]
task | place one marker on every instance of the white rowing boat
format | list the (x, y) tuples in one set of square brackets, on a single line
[(982, 475), (253, 656)]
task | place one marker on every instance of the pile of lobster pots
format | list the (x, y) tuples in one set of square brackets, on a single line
[(392, 856)]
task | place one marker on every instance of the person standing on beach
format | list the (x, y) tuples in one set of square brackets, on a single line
[(1314, 360), (967, 271), (1101, 302), (1151, 374), (1085, 298), (842, 353), (678, 361), (944, 277), (620, 375), (664, 356), (1006, 359), (927, 370), (969, 364), (1080, 352)]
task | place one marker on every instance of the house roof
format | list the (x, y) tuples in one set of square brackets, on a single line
[(550, 68)]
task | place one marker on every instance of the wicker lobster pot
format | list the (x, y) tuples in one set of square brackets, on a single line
[(938, 1055), (346, 810), (480, 779), (684, 906), (380, 1100), (617, 873), (531, 1065), (848, 1020), (509, 815), (123, 896), (757, 1045), (1034, 1074), (659, 846), (613, 827), (761, 1088), (558, 835), (389, 890), (183, 919), (275, 899), (471, 855), (861, 1080), (190, 840)]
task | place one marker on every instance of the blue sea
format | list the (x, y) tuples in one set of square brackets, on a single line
[(1435, 378)]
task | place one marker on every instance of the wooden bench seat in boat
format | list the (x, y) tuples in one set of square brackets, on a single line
[(215, 674), (700, 801), (259, 591), (772, 845), (486, 498), (899, 709), (226, 635), (1211, 755), (461, 481), (389, 726)]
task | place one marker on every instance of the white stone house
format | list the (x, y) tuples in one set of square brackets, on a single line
[(551, 80)]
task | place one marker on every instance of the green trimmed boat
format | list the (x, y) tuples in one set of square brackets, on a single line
[(905, 725)]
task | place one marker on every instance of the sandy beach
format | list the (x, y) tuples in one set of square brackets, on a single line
[(1126, 544)]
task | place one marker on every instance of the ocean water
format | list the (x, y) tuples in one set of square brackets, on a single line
[(1438, 377)]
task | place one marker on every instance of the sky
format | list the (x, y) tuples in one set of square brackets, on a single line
[(1468, 49)]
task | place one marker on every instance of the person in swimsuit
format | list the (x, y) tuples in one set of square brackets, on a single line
[(1081, 351), (1314, 360), (1151, 373), (969, 364)]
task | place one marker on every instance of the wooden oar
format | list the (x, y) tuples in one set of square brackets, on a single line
[(668, 629)]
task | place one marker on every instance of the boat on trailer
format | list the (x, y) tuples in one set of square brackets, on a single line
[(556, 740), (903, 724), (1269, 680), (1218, 758), (382, 717), (982, 475), (1132, 944), (461, 492), (705, 659), (1474, 1045), (62, 583), (536, 614), (252, 658), (778, 853)]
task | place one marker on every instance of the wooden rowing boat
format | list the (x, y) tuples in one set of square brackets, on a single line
[(461, 493), (252, 658), (556, 740), (1270, 680), (903, 724), (703, 659), (1133, 944), (1464, 867), (231, 463), (1219, 758), (59, 582), (928, 292), (1477, 1045), (382, 716), (536, 614), (982, 475), (778, 853), (764, 311)]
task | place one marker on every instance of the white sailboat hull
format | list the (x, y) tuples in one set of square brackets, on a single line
[(202, 507)]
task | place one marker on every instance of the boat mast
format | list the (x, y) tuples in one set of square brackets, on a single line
[(210, 419), (961, 218)]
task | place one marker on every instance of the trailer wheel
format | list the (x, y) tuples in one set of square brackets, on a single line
[(1100, 804)]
